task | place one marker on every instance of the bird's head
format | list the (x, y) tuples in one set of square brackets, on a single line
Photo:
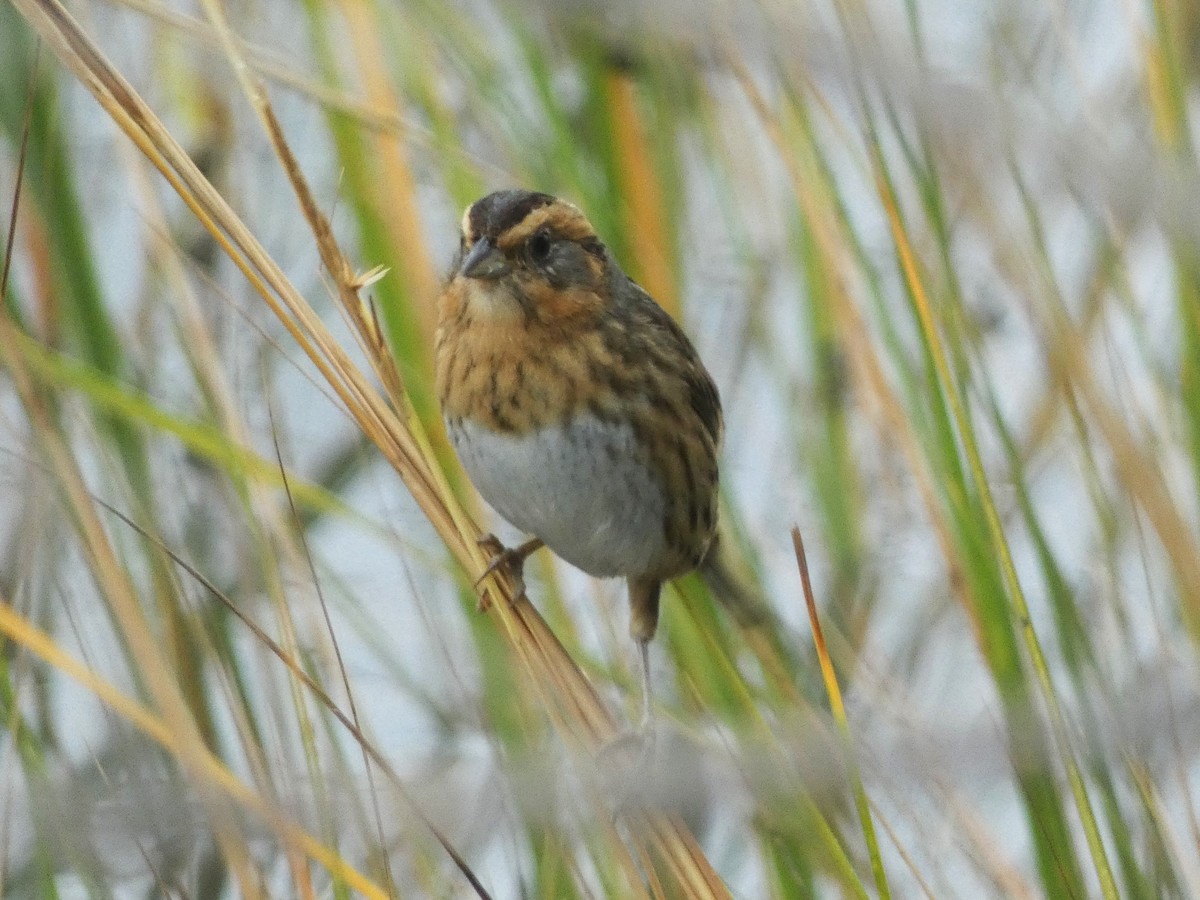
[(528, 256)]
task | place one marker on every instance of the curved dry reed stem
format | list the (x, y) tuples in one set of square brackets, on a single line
[(582, 719)]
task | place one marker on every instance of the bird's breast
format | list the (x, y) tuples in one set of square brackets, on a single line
[(517, 379), (584, 487)]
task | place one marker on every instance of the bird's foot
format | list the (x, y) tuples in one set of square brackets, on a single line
[(508, 560)]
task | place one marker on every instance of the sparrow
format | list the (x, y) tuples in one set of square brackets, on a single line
[(578, 408)]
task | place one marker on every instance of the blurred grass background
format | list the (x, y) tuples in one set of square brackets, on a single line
[(943, 263)]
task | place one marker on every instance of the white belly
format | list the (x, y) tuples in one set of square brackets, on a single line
[(581, 488)]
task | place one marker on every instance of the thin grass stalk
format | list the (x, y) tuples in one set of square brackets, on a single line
[(150, 666), (1000, 545), (829, 676), (1166, 82), (909, 862), (541, 654), (400, 213), (199, 438), (71, 309), (208, 768), (679, 851), (878, 380), (369, 175), (310, 684), (643, 205), (349, 290), (1057, 861), (279, 71)]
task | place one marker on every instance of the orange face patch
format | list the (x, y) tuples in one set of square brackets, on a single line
[(561, 220), (552, 305)]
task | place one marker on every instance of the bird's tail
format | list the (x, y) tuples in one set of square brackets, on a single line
[(732, 585)]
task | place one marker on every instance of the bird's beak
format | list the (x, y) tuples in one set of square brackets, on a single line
[(484, 261)]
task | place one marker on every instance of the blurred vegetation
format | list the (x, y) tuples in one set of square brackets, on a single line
[(946, 272)]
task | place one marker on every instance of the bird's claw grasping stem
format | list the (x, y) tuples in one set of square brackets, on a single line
[(509, 560)]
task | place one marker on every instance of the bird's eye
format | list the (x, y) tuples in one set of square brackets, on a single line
[(539, 247)]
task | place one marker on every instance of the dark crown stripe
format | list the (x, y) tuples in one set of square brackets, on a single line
[(498, 212)]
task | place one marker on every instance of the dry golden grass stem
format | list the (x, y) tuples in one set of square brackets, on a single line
[(641, 191), (117, 588), (811, 195), (277, 70), (582, 717), (121, 596), (396, 200)]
